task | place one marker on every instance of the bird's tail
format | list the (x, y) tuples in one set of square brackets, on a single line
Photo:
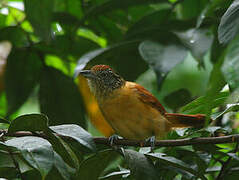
[(184, 120)]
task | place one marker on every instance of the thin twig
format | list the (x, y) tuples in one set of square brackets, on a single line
[(225, 164), (140, 143)]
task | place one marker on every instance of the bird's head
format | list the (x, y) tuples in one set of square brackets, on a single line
[(102, 80)]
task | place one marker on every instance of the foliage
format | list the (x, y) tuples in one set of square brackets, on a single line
[(187, 49)]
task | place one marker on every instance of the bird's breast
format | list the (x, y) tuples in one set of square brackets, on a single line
[(130, 117)]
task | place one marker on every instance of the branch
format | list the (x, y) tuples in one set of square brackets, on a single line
[(137, 143)]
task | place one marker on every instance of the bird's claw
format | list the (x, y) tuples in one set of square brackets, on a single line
[(113, 138), (151, 140)]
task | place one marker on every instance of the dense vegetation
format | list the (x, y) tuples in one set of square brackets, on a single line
[(186, 52)]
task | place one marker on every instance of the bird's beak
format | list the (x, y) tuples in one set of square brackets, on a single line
[(86, 73)]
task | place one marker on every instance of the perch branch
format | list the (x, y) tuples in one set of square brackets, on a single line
[(137, 143)]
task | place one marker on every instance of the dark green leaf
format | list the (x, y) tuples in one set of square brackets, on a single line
[(187, 5), (230, 107), (126, 53), (77, 133), (110, 5), (97, 164), (140, 166), (2, 120), (36, 151), (22, 74), (15, 35), (29, 122), (229, 25), (231, 64), (63, 149), (39, 13), (153, 20), (64, 170), (198, 41), (162, 58), (169, 160), (8, 172), (198, 105), (60, 99), (178, 98), (77, 46)]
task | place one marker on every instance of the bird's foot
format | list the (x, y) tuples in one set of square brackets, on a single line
[(151, 140), (113, 138)]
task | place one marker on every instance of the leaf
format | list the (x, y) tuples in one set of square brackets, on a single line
[(77, 133), (98, 163), (36, 151), (29, 122), (152, 20), (63, 149), (169, 160), (198, 41), (60, 99), (162, 58), (8, 172), (39, 13), (125, 52), (2, 120), (22, 74), (15, 35), (178, 98), (229, 108), (62, 167), (187, 6), (231, 64), (110, 5), (229, 25), (140, 166), (198, 105)]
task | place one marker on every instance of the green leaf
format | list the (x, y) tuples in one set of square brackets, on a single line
[(229, 108), (125, 52), (140, 166), (231, 64), (110, 5), (153, 20), (96, 163), (22, 74), (162, 58), (15, 35), (77, 46), (8, 172), (187, 5), (29, 122), (172, 161), (199, 104), (229, 25), (60, 99), (39, 13), (64, 170), (63, 149), (77, 133), (178, 99), (2, 120), (198, 41), (36, 151)]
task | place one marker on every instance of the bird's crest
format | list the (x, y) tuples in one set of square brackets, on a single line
[(97, 68)]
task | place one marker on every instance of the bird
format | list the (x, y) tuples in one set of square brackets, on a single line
[(131, 110)]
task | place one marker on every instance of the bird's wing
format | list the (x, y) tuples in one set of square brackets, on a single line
[(146, 97)]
